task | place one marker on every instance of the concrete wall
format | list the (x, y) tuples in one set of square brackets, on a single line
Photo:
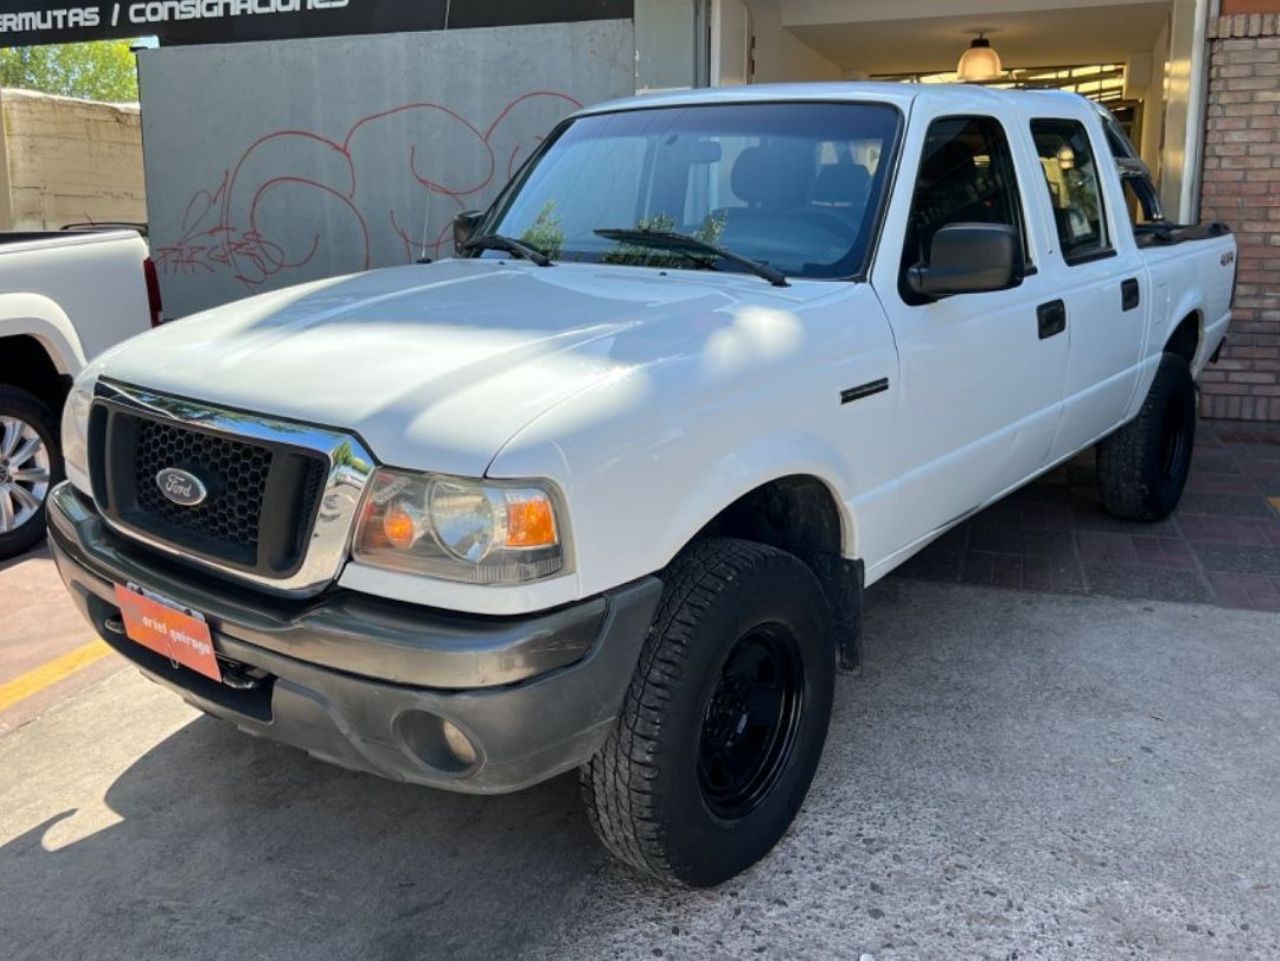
[(1153, 107), (269, 164), (1183, 117), (666, 44), (780, 56), (68, 160)]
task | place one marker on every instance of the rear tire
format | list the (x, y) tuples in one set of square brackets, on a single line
[(1143, 467), (30, 464), (724, 722)]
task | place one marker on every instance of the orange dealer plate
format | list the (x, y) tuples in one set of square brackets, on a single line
[(180, 635)]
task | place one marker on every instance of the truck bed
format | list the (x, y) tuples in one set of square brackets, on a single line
[(1166, 234)]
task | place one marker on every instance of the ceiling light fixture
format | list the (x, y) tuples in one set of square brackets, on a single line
[(980, 62)]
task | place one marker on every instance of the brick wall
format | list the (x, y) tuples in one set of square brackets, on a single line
[(1242, 188)]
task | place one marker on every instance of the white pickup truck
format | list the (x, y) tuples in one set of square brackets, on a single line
[(604, 491), (64, 297)]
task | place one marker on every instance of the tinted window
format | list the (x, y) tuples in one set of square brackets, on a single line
[(1075, 192), (796, 185), (966, 176)]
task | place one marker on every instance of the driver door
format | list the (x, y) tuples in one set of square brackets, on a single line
[(981, 374)]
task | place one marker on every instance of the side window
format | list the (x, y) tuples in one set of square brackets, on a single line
[(966, 175), (1075, 192)]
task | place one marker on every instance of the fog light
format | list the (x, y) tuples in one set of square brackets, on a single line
[(458, 743)]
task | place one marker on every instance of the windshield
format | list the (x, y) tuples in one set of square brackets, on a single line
[(796, 186)]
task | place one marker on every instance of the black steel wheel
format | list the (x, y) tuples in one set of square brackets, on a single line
[(724, 722), (1143, 467), (750, 724)]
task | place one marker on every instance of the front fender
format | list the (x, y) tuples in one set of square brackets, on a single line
[(767, 458), (631, 514)]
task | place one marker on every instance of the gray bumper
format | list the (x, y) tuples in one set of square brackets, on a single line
[(366, 683)]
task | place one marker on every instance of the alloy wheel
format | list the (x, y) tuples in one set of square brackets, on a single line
[(24, 473)]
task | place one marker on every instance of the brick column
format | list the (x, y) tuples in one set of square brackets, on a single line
[(1242, 188)]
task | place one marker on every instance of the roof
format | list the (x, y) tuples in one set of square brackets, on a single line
[(902, 95)]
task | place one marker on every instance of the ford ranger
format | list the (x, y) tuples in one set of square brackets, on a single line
[(604, 490)]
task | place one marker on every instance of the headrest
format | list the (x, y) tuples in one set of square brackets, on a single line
[(842, 185), (773, 176)]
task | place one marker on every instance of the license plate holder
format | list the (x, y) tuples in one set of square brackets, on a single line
[(166, 627)]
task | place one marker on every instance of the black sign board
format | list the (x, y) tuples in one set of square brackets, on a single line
[(31, 22)]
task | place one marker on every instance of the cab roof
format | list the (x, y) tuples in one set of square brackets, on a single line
[(901, 95)]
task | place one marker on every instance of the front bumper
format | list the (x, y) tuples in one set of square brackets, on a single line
[(367, 683)]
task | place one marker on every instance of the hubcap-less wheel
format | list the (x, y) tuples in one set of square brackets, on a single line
[(750, 722), (1173, 439), (722, 725), (1143, 466), (24, 473)]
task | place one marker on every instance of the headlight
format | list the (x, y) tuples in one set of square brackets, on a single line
[(481, 532), (75, 432)]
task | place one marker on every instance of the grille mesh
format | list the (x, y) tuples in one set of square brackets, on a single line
[(234, 472)]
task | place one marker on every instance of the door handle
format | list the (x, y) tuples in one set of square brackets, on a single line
[(1130, 294), (1051, 318)]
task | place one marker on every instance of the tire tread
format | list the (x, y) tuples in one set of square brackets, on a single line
[(1123, 458), (621, 809)]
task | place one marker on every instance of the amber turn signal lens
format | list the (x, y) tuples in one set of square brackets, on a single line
[(531, 523), (400, 529)]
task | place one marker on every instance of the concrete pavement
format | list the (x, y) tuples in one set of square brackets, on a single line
[(1011, 776), (47, 651)]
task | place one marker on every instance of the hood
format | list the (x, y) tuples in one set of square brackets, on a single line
[(437, 366)]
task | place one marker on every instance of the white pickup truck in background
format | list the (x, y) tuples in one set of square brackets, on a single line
[(65, 296), (605, 490)]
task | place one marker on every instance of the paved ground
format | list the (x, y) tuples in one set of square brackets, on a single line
[(1011, 776), (47, 652), (1221, 547)]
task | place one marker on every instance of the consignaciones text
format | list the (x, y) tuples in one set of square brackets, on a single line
[(152, 12)]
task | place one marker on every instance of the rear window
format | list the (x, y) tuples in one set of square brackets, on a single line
[(1075, 190)]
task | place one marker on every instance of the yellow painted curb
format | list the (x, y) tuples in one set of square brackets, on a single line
[(35, 681)]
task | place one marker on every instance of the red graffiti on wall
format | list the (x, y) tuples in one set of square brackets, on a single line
[(294, 193)]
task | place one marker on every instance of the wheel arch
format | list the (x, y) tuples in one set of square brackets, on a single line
[(40, 350), (27, 364), (37, 316), (1187, 336), (802, 514)]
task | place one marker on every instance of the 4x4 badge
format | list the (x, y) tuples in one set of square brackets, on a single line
[(182, 487)]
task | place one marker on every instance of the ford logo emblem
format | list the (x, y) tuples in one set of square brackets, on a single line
[(182, 487)]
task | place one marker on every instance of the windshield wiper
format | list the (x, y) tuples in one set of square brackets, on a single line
[(671, 240), (511, 246)]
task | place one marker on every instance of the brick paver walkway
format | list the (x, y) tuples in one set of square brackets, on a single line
[(1222, 546)]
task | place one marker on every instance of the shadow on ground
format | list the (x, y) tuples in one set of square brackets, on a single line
[(233, 847)]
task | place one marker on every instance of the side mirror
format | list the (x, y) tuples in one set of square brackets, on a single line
[(464, 225), (969, 259)]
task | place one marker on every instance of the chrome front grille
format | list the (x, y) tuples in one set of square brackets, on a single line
[(235, 472), (281, 497)]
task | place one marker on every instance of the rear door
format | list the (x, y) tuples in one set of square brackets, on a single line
[(982, 373), (1096, 271)]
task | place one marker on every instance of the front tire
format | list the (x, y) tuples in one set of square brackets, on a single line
[(30, 464), (724, 722), (1143, 467)]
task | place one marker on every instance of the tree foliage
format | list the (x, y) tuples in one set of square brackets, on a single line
[(103, 70)]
